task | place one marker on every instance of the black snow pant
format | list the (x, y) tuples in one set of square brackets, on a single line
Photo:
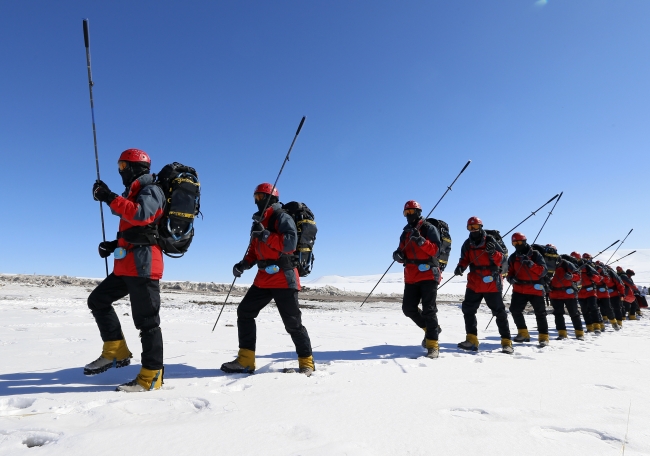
[(572, 307), (634, 306), (145, 306), (518, 304), (606, 309), (590, 312), (286, 300), (427, 318), (617, 307), (494, 301)]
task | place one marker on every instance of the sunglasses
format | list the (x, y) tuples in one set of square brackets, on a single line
[(121, 164), (474, 227), (517, 242), (409, 211), (259, 196)]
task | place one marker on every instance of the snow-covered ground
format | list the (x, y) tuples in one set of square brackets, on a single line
[(372, 394)]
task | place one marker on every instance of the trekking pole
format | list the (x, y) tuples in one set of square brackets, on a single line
[(409, 240), (92, 113), (634, 251), (534, 240), (619, 246), (533, 213), (259, 218)]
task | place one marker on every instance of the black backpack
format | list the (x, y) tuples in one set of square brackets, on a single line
[(182, 190), (570, 259), (445, 242), (550, 257), (303, 257), (496, 236)]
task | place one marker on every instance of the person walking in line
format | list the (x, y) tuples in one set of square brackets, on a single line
[(137, 270), (418, 250), (273, 239), (527, 272), (484, 256)]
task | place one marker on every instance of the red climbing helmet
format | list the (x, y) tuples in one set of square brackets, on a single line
[(135, 155), (518, 237), (474, 224), (576, 255), (266, 189), (411, 207), (552, 246), (586, 256), (619, 269), (629, 272)]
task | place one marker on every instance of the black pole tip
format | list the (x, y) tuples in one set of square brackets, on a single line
[(86, 41), (302, 121), (465, 167)]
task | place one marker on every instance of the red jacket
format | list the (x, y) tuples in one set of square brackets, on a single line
[(529, 280), (141, 204), (561, 287), (630, 289), (420, 256), (589, 278), (276, 250), (484, 274)]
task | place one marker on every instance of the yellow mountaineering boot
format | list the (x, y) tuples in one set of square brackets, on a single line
[(506, 347), (147, 380), (470, 343), (562, 334), (590, 328), (620, 323), (632, 316), (580, 335), (306, 366), (433, 350), (244, 364), (522, 336), (543, 340), (605, 319), (115, 353)]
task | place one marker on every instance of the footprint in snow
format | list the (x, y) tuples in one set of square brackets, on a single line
[(584, 431), (472, 413), (608, 387), (12, 405)]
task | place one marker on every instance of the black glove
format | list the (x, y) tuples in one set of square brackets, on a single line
[(568, 276), (106, 248), (511, 280), (490, 248), (102, 193), (258, 231), (419, 240), (458, 271), (527, 262), (239, 268), (398, 256)]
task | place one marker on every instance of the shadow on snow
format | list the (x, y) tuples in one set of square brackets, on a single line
[(73, 380)]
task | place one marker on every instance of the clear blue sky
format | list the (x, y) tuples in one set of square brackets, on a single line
[(543, 97)]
